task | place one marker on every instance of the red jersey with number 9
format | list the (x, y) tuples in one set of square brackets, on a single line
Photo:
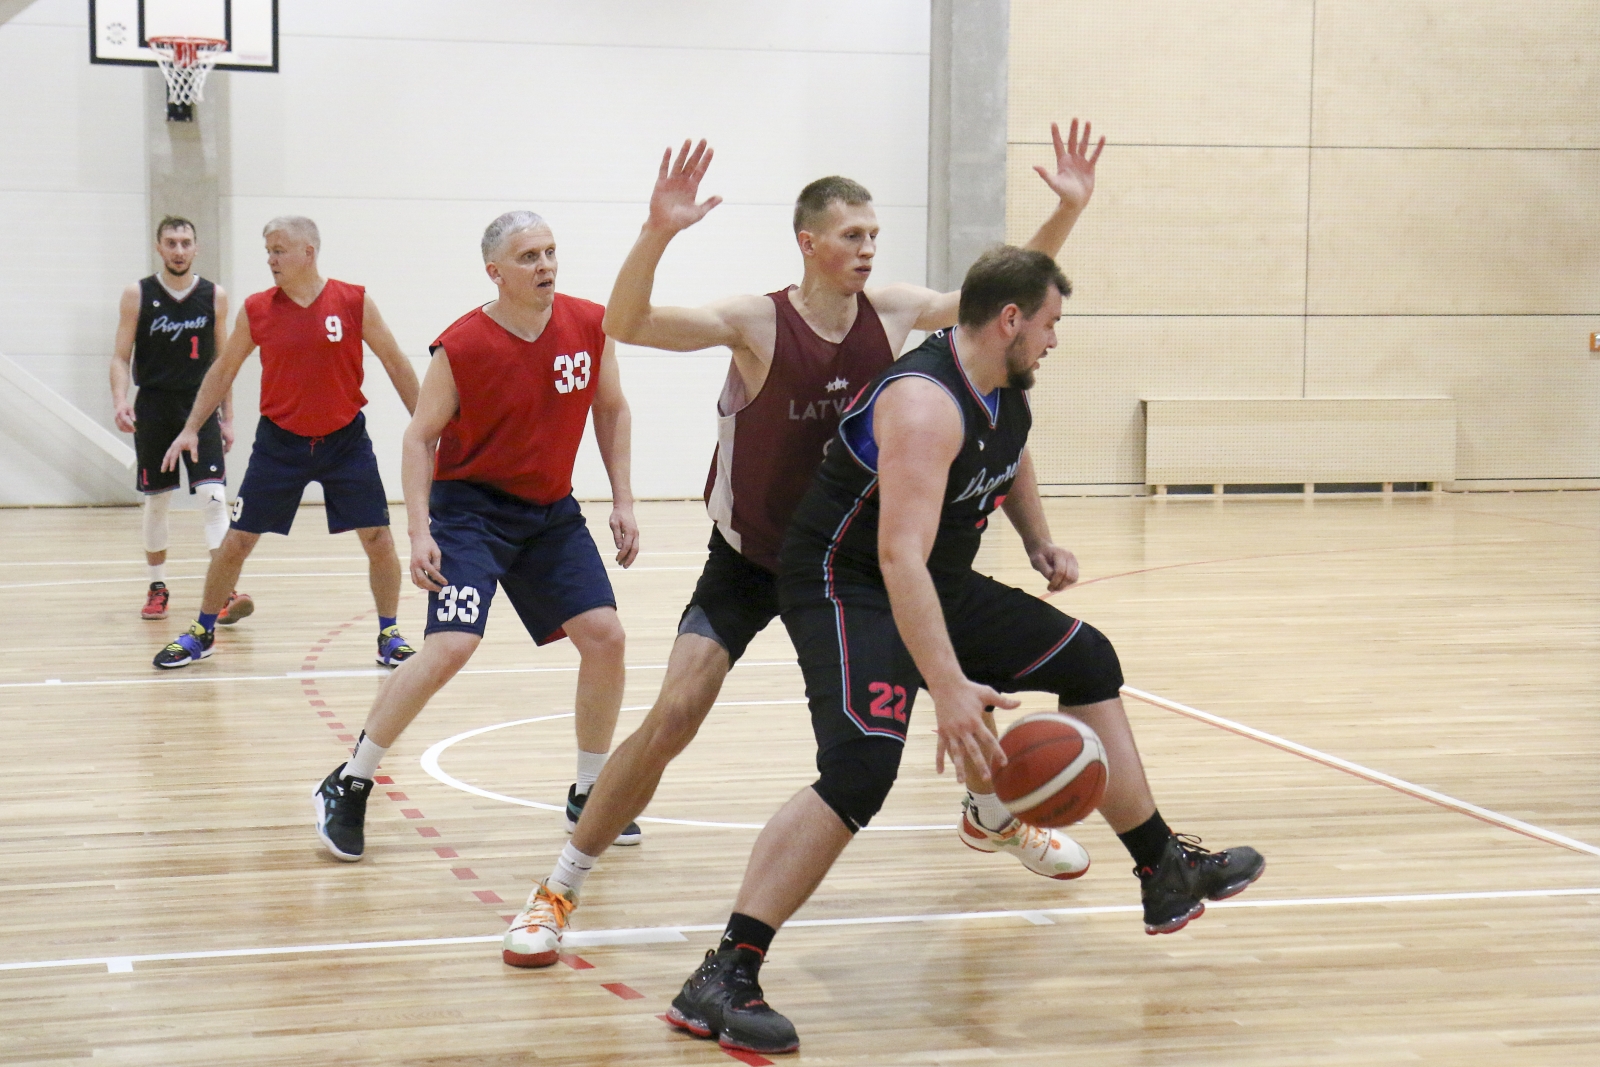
[(310, 357), (523, 403)]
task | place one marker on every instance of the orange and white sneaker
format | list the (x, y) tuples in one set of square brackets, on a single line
[(155, 601), (1042, 851), (534, 939), (239, 606)]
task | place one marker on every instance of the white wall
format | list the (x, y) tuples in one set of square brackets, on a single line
[(403, 128)]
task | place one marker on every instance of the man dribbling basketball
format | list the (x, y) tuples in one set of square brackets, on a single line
[(879, 595)]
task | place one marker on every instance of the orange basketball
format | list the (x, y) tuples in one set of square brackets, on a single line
[(1055, 770)]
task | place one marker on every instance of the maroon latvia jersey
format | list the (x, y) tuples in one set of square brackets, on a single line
[(769, 448)]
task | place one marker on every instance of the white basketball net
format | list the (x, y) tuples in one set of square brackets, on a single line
[(185, 62)]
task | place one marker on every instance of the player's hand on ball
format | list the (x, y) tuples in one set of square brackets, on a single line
[(1059, 567), (625, 532), (425, 564), (963, 733), (187, 441), (125, 418)]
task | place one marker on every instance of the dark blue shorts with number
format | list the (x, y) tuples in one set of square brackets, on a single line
[(282, 464), (541, 555)]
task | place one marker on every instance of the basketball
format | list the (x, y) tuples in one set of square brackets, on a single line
[(1055, 770)]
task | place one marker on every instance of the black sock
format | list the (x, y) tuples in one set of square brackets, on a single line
[(744, 932), (1146, 841)]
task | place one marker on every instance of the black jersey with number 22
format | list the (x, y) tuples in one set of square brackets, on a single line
[(176, 339), (834, 534)]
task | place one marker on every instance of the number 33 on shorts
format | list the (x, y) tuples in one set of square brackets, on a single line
[(458, 603)]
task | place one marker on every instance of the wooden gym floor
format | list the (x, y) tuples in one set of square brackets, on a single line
[(164, 900)]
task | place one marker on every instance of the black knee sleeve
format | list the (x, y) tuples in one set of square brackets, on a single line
[(857, 776), (1087, 672)]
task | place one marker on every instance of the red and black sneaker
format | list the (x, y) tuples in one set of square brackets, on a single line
[(155, 602), (1187, 876), (239, 606), (722, 999)]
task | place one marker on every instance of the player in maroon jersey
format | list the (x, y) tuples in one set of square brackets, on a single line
[(799, 355), (487, 467), (310, 330)]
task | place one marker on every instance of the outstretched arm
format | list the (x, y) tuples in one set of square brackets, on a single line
[(1073, 183), (1026, 512), (918, 431), (375, 332), (122, 357), (213, 387), (613, 432), (630, 317)]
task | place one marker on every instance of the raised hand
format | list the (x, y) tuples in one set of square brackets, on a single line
[(1073, 178), (672, 204)]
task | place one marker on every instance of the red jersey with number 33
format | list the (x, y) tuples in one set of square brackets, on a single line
[(523, 403), (310, 357)]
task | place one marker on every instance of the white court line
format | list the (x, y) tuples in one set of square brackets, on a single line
[(430, 764), (669, 934), (293, 559), (1377, 777), (253, 576), (370, 672)]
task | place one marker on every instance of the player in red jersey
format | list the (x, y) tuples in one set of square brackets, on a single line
[(799, 355), (310, 330), (487, 466)]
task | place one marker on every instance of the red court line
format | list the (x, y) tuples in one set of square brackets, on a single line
[(626, 992), (1525, 518), (576, 962), (754, 1059)]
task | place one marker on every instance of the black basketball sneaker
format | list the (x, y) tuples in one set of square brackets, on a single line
[(1187, 876), (341, 806), (722, 999), (631, 834)]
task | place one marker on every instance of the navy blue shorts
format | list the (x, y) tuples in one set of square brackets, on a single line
[(282, 464), (541, 555)]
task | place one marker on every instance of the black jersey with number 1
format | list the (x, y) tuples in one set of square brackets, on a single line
[(176, 339), (834, 534)]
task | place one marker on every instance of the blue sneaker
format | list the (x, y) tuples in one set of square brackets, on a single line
[(392, 648), (191, 646)]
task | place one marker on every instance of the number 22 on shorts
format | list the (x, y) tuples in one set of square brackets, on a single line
[(888, 701)]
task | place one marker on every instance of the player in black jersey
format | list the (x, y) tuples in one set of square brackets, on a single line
[(170, 327), (879, 596)]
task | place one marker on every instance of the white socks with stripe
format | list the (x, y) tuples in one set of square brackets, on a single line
[(571, 869), (364, 764), (991, 813), (589, 764)]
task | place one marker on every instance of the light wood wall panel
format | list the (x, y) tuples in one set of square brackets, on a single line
[(1458, 73), (1158, 72), (1088, 428), (1454, 232), (1178, 230), (1527, 390), (1434, 167)]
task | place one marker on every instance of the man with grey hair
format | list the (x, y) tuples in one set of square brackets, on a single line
[(310, 330), (487, 468)]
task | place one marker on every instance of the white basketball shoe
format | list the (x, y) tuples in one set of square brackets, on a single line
[(534, 939), (1047, 852)]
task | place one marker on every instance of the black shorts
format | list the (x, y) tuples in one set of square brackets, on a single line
[(540, 554), (159, 415), (733, 601), (282, 464), (860, 679)]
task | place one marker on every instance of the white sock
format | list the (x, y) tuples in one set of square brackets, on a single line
[(364, 764), (992, 814), (158, 572), (571, 869), (153, 519), (214, 513), (589, 764)]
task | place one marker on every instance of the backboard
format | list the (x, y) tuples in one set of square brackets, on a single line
[(119, 30)]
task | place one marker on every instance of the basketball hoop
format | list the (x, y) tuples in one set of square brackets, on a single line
[(185, 62)]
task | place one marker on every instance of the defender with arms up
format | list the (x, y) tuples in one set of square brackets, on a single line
[(798, 355)]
